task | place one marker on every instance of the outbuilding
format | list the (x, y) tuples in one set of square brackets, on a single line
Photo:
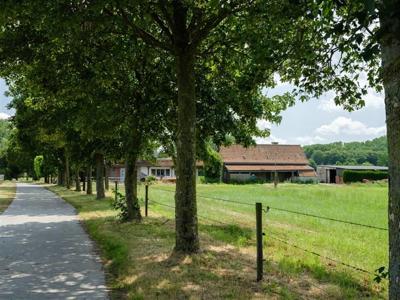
[(334, 173), (262, 162)]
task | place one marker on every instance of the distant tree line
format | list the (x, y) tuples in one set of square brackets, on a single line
[(373, 152)]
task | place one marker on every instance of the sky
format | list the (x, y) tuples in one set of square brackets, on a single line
[(317, 121)]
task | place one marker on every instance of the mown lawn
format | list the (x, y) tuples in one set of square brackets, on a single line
[(7, 194), (140, 265)]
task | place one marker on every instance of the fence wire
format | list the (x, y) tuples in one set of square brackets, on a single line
[(288, 211), (199, 215), (274, 237)]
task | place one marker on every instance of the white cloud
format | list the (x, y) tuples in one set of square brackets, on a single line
[(329, 105), (308, 140), (269, 140), (4, 116), (347, 126), (263, 124), (372, 100)]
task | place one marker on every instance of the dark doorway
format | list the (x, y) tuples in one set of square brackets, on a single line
[(332, 176)]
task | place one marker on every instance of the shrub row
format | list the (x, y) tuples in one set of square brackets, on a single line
[(358, 176)]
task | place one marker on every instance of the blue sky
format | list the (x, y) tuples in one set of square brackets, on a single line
[(315, 121)]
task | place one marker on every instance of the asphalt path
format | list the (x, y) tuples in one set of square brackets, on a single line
[(44, 251)]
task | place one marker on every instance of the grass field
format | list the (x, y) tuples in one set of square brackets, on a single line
[(139, 254), (7, 194)]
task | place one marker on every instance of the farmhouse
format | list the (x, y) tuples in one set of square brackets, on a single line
[(162, 168), (334, 174), (264, 161)]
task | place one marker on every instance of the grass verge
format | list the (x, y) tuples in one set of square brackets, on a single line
[(7, 194), (140, 265)]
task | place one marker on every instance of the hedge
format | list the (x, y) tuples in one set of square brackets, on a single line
[(358, 176)]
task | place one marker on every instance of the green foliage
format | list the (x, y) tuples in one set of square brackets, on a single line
[(212, 165), (149, 180), (251, 180), (312, 163), (380, 274), (5, 131), (372, 152), (358, 176), (305, 181), (38, 166), (119, 204)]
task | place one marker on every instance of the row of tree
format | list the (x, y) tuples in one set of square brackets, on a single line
[(97, 80), (372, 152)]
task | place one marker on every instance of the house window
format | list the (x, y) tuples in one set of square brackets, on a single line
[(160, 172)]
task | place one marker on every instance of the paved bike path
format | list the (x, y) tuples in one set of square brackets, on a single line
[(44, 251)]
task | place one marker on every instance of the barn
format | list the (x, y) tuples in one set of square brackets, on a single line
[(264, 161)]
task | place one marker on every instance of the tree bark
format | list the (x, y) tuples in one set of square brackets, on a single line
[(77, 181), (89, 190), (106, 181), (390, 25), (60, 177), (83, 182), (100, 194), (187, 239), (67, 173), (131, 199)]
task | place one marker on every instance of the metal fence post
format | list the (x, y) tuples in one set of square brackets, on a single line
[(259, 234), (146, 200)]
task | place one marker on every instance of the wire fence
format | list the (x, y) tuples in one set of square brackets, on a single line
[(270, 208), (276, 238), (273, 236)]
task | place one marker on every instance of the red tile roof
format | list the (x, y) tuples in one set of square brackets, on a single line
[(310, 173), (264, 154), (259, 167)]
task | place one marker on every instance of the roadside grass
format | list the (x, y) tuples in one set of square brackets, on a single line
[(140, 264), (7, 194)]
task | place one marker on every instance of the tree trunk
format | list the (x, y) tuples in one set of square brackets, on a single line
[(67, 173), (89, 181), (106, 181), (133, 208), (100, 194), (187, 239), (77, 181), (60, 177), (83, 182), (390, 24), (46, 179)]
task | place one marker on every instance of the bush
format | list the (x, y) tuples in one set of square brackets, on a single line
[(149, 180), (37, 166), (305, 180), (251, 180), (119, 204), (212, 166), (358, 176)]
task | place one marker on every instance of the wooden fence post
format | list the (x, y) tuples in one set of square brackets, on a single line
[(259, 234), (116, 190), (146, 200)]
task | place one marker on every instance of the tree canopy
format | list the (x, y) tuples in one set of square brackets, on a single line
[(373, 152)]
